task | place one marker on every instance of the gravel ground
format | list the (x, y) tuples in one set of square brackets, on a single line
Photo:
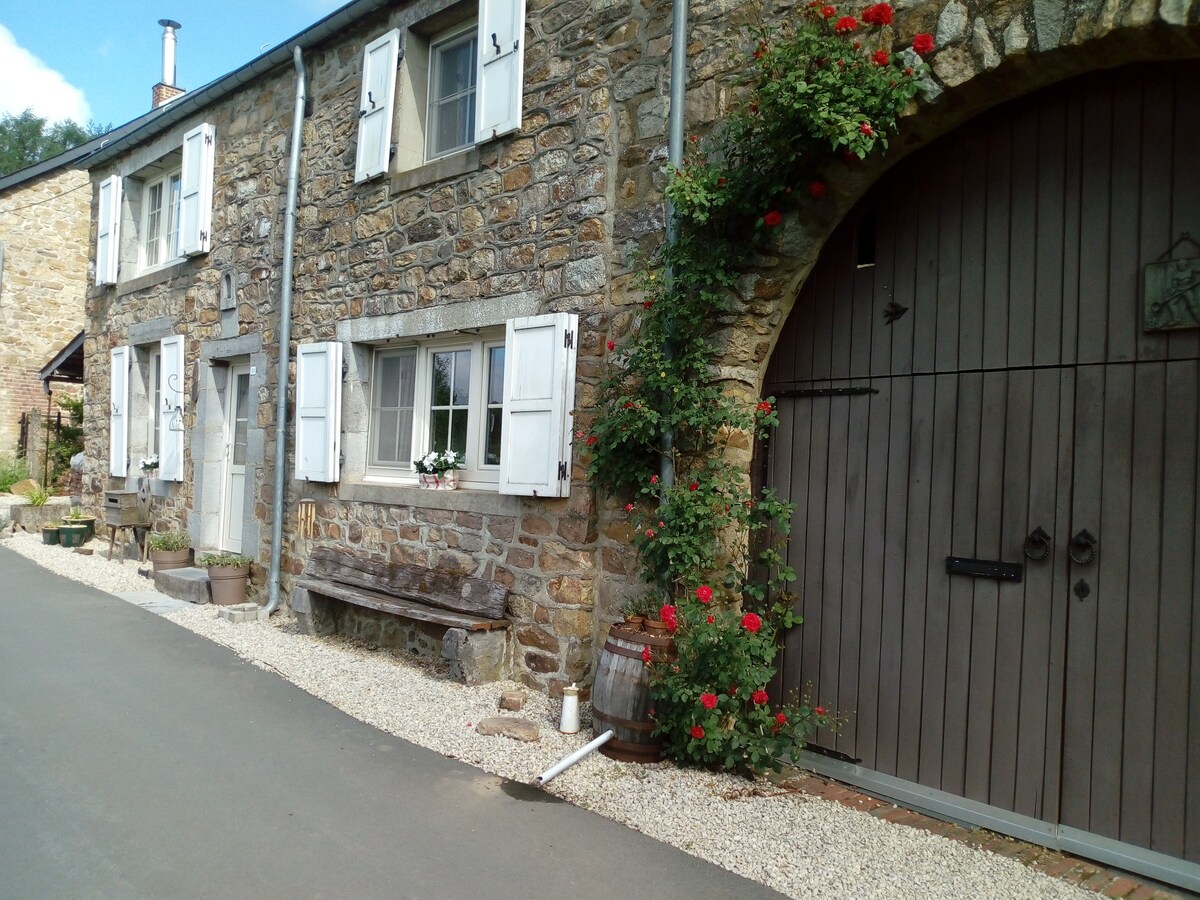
[(800, 845)]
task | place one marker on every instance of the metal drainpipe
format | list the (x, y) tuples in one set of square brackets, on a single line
[(285, 333), (679, 27)]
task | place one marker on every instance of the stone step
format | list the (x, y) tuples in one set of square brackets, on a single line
[(190, 584)]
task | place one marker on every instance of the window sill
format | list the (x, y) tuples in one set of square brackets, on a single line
[(439, 170), (465, 499), (150, 279)]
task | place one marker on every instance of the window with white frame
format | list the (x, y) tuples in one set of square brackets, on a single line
[(158, 238), (462, 85), (435, 396), (146, 389), (167, 202), (501, 398)]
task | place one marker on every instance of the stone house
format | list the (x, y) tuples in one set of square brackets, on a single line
[(472, 180)]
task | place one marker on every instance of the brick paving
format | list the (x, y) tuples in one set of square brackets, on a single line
[(1088, 875)]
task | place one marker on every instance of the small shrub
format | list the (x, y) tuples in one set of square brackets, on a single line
[(224, 559), (169, 540), (38, 496), (11, 471)]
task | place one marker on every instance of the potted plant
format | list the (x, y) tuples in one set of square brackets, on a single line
[(170, 550), (49, 534), (149, 465), (226, 576), (439, 471), (78, 517)]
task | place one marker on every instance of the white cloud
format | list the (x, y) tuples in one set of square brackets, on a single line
[(29, 83)]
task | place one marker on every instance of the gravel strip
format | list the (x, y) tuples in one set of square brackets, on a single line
[(802, 846)]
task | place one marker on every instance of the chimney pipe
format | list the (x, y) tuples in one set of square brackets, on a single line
[(168, 53)]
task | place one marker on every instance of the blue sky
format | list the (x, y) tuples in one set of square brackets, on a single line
[(98, 61)]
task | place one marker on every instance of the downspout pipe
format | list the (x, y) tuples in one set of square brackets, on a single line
[(285, 332), (679, 31)]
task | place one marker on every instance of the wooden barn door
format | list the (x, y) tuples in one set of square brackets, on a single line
[(966, 375)]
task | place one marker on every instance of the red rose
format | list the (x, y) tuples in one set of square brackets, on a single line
[(765, 407), (759, 697), (866, 128), (773, 218), (694, 486), (858, 45), (828, 12), (666, 612), (646, 655), (591, 441), (751, 622), (628, 507), (612, 345), (654, 479), (697, 732), (708, 701), (649, 532), (846, 24), (704, 593), (922, 43), (781, 718), (908, 70), (817, 189), (880, 57), (820, 710), (646, 304), (879, 14), (710, 620)]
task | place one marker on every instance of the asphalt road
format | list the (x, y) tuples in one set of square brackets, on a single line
[(139, 760)]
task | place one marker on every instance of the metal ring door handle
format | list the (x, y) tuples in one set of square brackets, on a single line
[(1037, 545), (1083, 547)]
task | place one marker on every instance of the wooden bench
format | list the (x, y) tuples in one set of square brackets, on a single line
[(470, 609)]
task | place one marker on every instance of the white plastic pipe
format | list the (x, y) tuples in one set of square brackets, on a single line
[(567, 761)]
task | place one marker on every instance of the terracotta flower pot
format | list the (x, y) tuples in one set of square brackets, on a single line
[(164, 560), (228, 584)]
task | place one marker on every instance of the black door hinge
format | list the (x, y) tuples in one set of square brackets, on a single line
[(569, 340), (562, 471)]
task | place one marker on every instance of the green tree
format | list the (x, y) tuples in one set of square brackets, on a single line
[(27, 139)]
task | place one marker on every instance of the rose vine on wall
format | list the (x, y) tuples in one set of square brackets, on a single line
[(826, 86)]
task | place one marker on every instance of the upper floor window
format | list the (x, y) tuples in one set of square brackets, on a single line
[(159, 235), (452, 76)]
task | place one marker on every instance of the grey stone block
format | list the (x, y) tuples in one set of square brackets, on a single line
[(243, 612), (190, 584), (476, 657)]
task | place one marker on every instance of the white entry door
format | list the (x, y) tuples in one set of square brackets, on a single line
[(237, 426)]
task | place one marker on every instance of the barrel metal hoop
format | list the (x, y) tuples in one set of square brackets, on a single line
[(621, 723), (622, 651)]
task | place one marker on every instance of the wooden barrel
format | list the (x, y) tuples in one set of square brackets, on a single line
[(621, 694)]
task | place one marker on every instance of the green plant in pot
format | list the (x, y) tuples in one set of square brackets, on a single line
[(170, 550), (227, 574), (78, 517)]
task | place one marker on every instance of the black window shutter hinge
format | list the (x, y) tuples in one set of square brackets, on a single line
[(562, 471), (208, 138), (569, 340)]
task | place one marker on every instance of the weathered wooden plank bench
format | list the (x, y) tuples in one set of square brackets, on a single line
[(470, 609)]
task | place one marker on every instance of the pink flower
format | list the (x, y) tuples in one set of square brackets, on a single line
[(759, 697), (704, 593), (751, 622), (708, 701), (697, 732)]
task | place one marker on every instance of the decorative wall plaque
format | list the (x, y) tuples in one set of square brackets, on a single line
[(1172, 295)]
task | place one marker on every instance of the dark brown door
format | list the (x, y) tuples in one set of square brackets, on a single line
[(1016, 396)]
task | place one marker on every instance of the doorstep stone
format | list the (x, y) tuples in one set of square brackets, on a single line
[(243, 612), (190, 584), (510, 727)]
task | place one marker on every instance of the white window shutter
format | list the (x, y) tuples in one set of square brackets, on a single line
[(318, 411), (118, 414), (501, 45), (170, 411), (539, 393), (196, 190), (375, 105), (108, 230)]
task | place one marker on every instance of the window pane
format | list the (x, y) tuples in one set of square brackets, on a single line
[(458, 432), (462, 377), (385, 436), (404, 423), (443, 372), (173, 218), (155, 401), (451, 120), (491, 438), (388, 374), (455, 68), (454, 124), (241, 419), (495, 388), (439, 430), (153, 223)]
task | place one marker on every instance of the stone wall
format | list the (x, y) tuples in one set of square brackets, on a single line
[(548, 216), (44, 230)]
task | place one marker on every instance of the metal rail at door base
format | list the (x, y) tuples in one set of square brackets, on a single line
[(943, 805)]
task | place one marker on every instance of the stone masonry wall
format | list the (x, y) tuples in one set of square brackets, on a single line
[(44, 230), (551, 213)]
